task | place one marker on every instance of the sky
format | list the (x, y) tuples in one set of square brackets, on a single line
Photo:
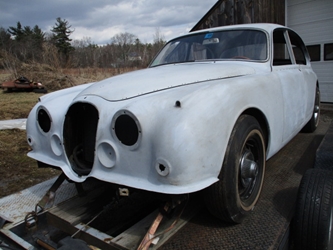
[(100, 20)]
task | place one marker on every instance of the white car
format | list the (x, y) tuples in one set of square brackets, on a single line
[(206, 114)]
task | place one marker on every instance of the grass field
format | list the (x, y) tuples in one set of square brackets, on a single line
[(16, 105), (17, 170)]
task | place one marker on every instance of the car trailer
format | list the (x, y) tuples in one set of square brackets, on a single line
[(57, 214)]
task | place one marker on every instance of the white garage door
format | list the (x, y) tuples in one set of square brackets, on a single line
[(313, 21)]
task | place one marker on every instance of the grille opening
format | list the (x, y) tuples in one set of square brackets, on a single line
[(126, 130), (44, 120), (80, 129)]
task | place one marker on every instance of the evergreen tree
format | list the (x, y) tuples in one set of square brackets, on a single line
[(20, 34), (61, 32), (28, 42), (5, 40), (17, 32), (38, 37)]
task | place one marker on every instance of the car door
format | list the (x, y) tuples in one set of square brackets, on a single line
[(302, 59), (291, 82)]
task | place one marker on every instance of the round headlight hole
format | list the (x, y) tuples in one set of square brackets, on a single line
[(126, 130), (44, 120)]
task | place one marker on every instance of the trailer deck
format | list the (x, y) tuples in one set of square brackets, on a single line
[(95, 214)]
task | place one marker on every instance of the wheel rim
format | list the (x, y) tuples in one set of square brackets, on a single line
[(316, 109), (251, 169)]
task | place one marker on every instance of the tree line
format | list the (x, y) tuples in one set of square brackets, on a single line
[(23, 44)]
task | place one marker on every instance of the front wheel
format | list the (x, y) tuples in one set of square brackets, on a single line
[(234, 196)]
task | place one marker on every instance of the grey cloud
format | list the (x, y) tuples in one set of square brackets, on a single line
[(95, 17)]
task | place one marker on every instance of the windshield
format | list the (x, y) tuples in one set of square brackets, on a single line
[(219, 45)]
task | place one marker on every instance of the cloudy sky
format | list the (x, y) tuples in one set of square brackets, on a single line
[(100, 20)]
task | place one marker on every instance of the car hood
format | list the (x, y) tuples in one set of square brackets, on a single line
[(151, 80)]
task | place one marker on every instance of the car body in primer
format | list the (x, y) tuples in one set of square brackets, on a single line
[(167, 128)]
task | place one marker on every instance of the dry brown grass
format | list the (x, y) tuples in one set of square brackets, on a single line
[(17, 170), (57, 78), (17, 105)]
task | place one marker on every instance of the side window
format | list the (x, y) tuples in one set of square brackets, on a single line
[(281, 55), (314, 52), (298, 47), (328, 51)]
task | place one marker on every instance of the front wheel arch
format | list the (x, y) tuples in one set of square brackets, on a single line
[(234, 196), (261, 118)]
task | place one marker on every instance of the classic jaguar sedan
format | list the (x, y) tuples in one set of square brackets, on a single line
[(206, 114)]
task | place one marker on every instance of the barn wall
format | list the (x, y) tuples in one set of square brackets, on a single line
[(228, 12)]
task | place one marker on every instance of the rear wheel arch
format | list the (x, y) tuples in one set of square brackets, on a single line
[(312, 124)]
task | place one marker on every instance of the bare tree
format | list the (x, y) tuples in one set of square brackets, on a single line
[(158, 41), (124, 42), (55, 48)]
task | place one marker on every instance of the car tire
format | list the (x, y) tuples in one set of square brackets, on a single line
[(234, 196), (312, 125), (313, 222)]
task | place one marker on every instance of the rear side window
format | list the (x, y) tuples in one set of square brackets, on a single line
[(298, 47), (281, 54)]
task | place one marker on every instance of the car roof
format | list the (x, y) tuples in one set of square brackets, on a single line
[(268, 27)]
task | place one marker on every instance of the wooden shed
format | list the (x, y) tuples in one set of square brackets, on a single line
[(311, 19), (228, 12)]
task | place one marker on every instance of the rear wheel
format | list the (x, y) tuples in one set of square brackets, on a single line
[(313, 223), (234, 196), (312, 125)]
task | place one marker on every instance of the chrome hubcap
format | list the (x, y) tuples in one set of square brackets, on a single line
[(248, 173), (316, 108)]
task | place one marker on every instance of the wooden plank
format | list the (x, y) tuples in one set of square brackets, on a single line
[(167, 230), (79, 209), (131, 238), (18, 240), (88, 234)]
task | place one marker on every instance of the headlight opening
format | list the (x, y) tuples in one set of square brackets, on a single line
[(126, 128), (44, 120)]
